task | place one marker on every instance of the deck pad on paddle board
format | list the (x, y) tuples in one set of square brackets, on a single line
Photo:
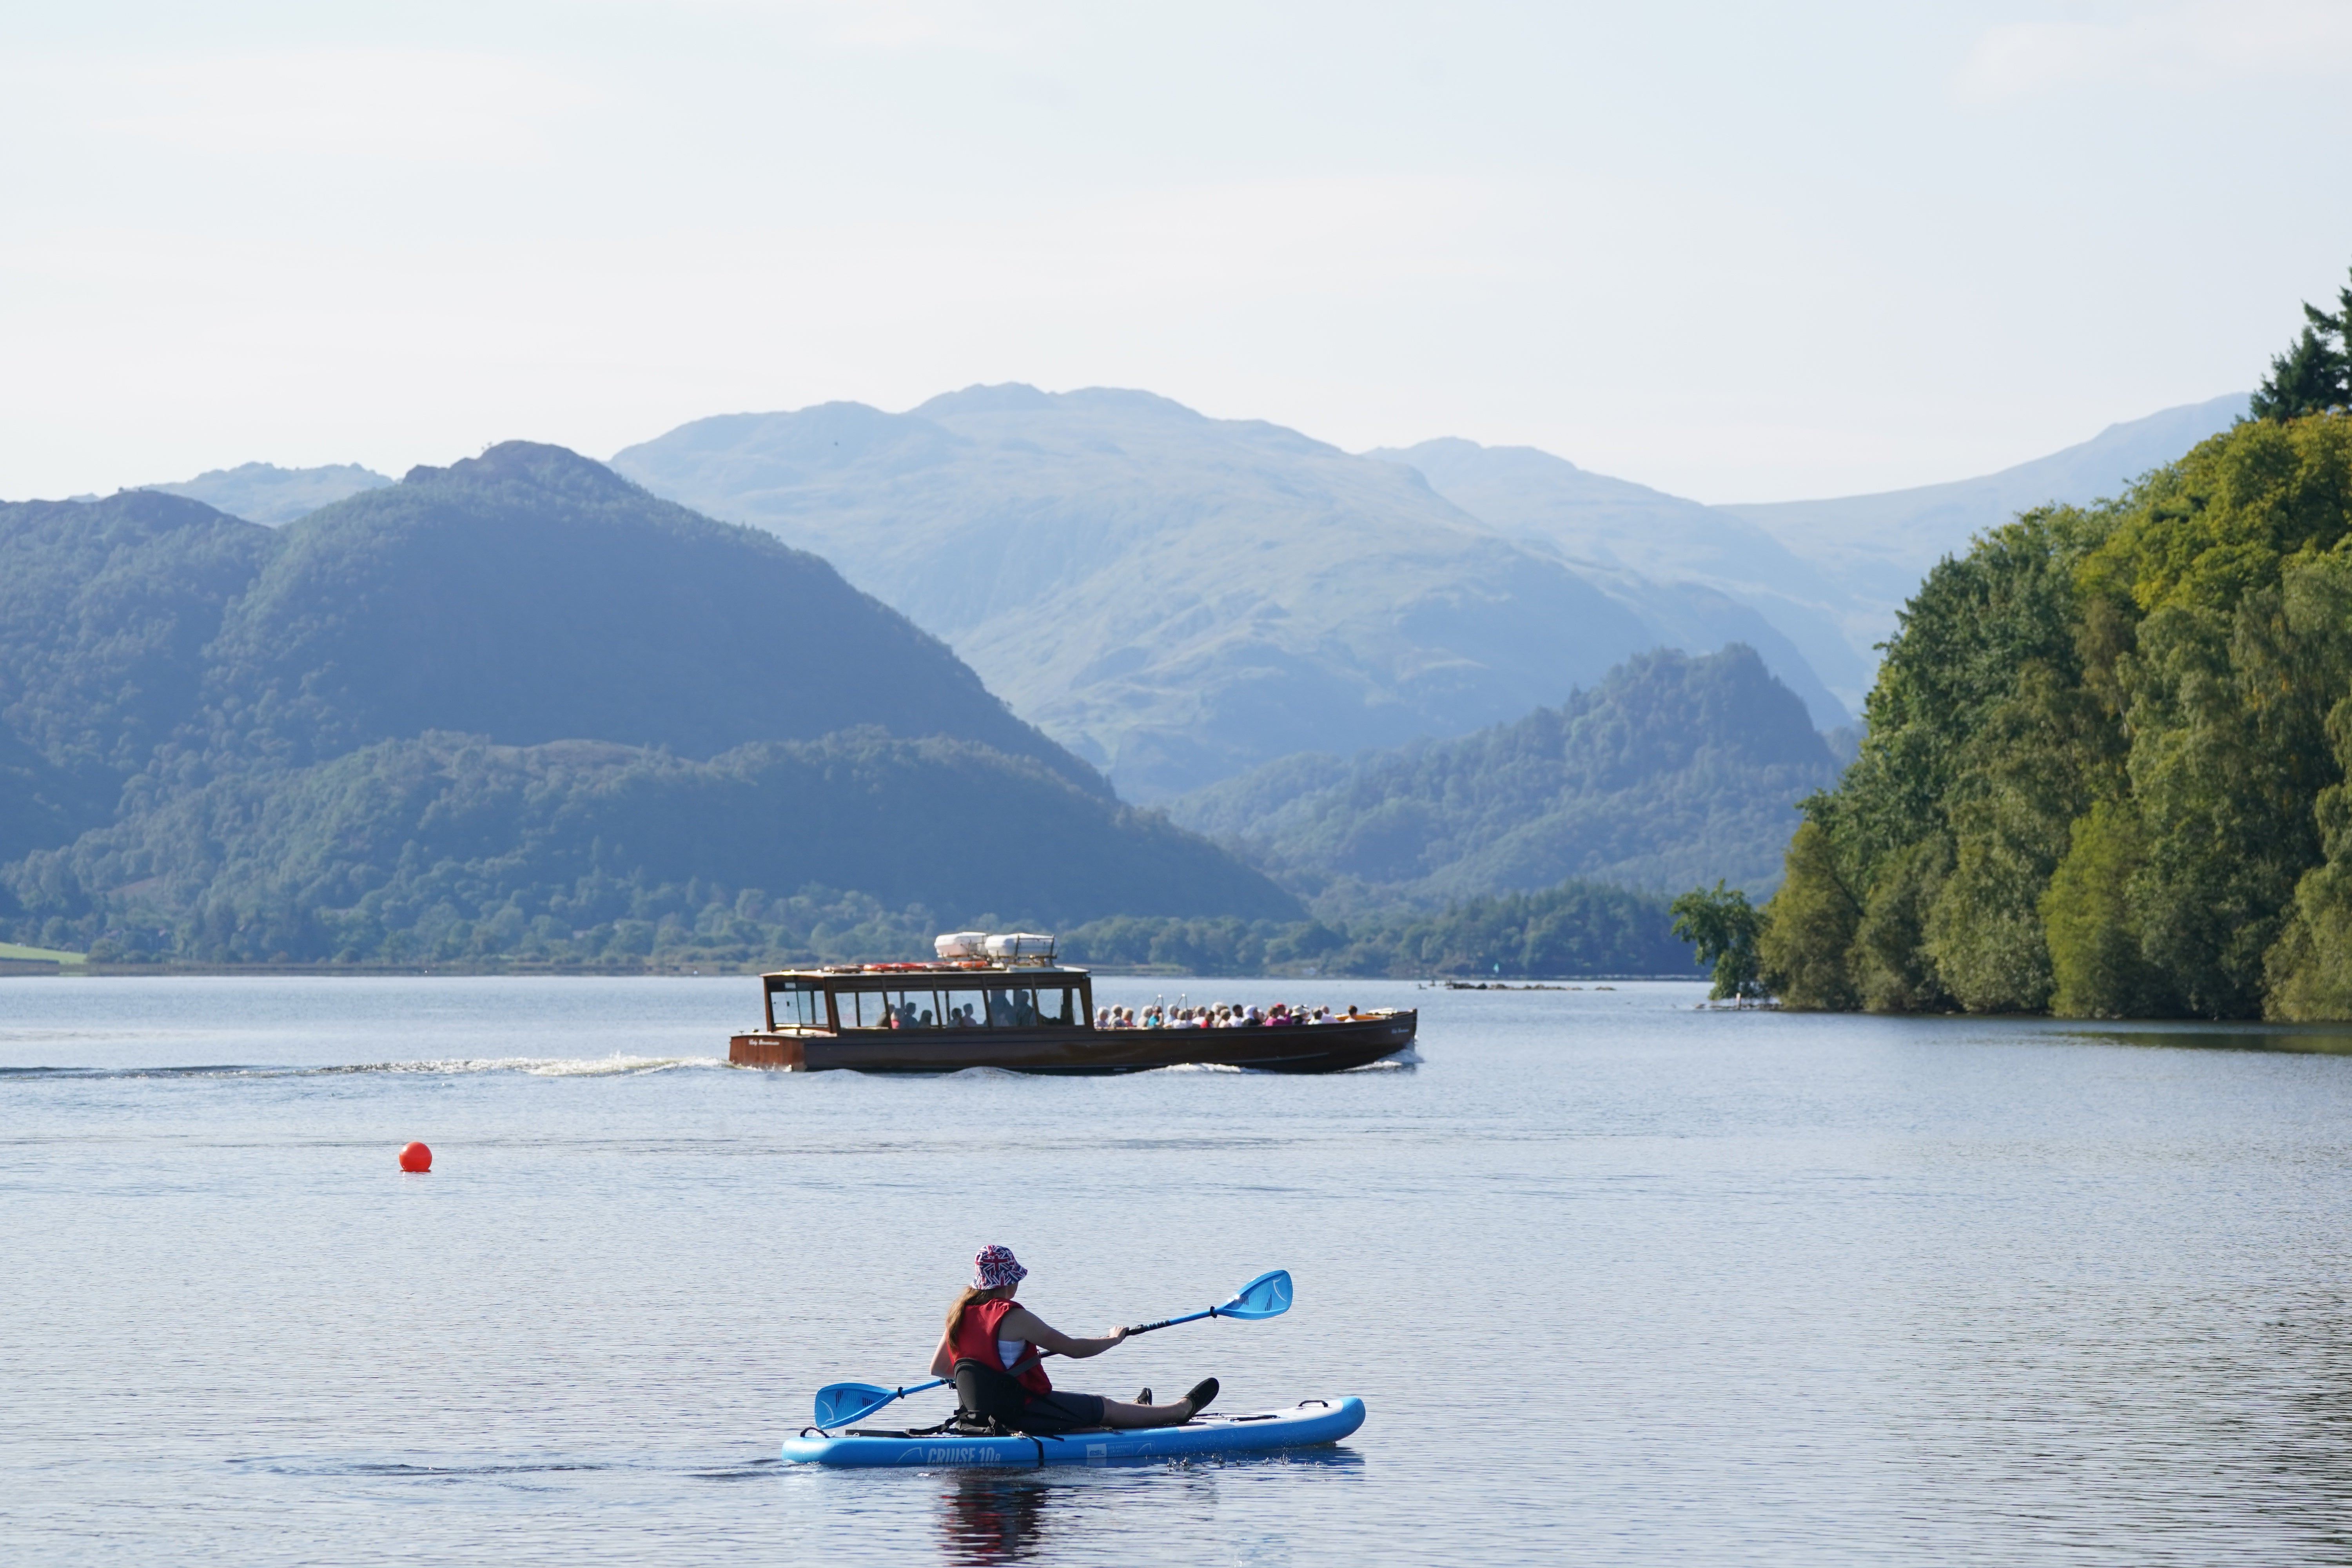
[(1302, 1425)]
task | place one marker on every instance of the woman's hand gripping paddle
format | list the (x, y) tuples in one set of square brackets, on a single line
[(1267, 1296)]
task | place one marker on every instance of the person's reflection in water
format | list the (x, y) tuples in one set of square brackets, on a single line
[(987, 1518)]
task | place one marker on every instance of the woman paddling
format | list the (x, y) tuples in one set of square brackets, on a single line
[(989, 1336)]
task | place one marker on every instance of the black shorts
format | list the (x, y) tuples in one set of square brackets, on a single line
[(1067, 1411)]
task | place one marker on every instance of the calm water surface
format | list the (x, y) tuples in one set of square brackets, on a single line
[(1620, 1282)]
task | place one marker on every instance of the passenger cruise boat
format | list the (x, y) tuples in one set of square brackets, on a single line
[(1004, 1002)]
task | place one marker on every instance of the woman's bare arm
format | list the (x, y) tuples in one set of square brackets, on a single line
[(943, 1358), (1021, 1323)]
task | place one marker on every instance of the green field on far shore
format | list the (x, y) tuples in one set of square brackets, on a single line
[(9, 949)]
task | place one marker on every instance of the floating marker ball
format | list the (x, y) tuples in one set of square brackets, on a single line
[(416, 1157)]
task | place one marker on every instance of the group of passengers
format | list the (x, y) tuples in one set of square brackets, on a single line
[(1224, 1015), (1006, 1010)]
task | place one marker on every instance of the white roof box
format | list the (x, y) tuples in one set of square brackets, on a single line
[(1020, 945), (959, 944)]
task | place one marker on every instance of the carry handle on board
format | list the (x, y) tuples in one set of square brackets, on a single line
[(1267, 1296)]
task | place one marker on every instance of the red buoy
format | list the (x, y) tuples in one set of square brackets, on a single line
[(416, 1157)]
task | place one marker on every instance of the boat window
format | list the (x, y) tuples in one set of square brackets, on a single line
[(910, 1009), (1050, 1005), (966, 1009), (800, 1006)]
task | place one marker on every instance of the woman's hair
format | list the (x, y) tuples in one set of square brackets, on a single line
[(971, 1293)]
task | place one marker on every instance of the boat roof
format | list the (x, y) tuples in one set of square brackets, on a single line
[(971, 971)]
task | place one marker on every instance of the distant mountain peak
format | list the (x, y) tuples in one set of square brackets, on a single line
[(531, 462), (267, 494), (1004, 397), (1456, 447)]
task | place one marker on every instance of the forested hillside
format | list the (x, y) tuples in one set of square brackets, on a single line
[(513, 706), (2106, 760), (1672, 770)]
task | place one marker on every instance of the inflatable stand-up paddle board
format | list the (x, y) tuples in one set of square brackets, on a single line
[(1303, 1426)]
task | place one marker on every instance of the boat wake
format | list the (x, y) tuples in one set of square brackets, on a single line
[(615, 1066)]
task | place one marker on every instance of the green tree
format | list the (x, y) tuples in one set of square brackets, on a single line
[(2314, 374), (1809, 928), (1724, 927), (2097, 964)]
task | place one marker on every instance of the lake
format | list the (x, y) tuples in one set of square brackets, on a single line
[(1621, 1281)]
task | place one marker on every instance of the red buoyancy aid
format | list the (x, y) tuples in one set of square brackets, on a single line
[(975, 1338)]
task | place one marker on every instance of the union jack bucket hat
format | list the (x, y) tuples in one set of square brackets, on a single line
[(996, 1265)]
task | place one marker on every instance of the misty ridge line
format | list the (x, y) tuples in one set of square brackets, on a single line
[(1825, 575)]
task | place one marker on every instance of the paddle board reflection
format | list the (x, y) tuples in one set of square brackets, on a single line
[(988, 1518)]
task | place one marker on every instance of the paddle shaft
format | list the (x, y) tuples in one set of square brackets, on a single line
[(942, 1382)]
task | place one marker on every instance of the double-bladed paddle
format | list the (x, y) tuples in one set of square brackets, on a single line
[(1267, 1296)]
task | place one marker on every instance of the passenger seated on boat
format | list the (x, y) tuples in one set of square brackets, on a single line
[(991, 1348), (1102, 1018)]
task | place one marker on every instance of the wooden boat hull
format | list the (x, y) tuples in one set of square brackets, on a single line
[(1295, 1048)]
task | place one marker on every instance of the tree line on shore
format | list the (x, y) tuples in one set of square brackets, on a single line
[(2105, 771), (625, 922)]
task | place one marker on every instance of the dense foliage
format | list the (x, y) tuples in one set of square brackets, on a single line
[(1671, 769), (1722, 927), (2105, 771), (517, 706)]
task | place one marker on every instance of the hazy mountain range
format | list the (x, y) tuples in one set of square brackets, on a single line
[(1177, 598), (1180, 599), (521, 706)]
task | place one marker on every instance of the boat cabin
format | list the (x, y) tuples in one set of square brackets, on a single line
[(976, 984)]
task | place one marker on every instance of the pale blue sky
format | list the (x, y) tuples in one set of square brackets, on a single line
[(1740, 251)]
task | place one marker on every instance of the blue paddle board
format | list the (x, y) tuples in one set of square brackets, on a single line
[(1301, 1426)]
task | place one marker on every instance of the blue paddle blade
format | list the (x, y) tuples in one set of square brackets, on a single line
[(1267, 1296), (839, 1402)]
